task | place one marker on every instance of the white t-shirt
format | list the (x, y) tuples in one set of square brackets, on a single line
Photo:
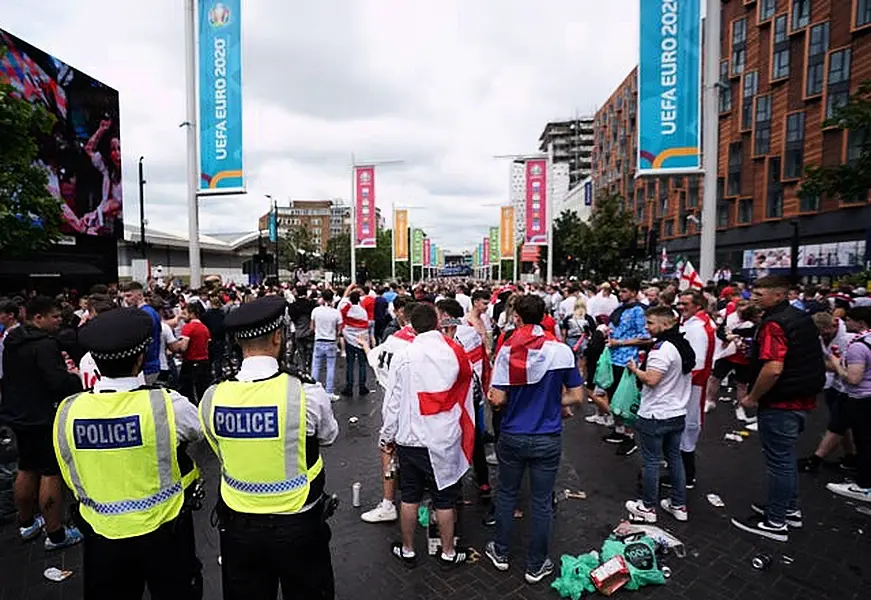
[(326, 322), (566, 308), (694, 331), (167, 337), (669, 398), (602, 305), (465, 302), (88, 371), (381, 356), (838, 344)]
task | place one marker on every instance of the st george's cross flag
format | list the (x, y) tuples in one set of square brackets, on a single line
[(527, 356), (689, 278), (441, 380)]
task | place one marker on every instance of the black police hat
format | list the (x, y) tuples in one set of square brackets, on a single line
[(117, 333), (257, 318)]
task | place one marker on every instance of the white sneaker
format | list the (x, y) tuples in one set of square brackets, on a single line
[(383, 513), (740, 414), (710, 405), (334, 397), (850, 490), (639, 512), (754, 426), (594, 418), (608, 421), (678, 512)]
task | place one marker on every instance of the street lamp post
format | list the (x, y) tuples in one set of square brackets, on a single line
[(142, 209), (275, 212)]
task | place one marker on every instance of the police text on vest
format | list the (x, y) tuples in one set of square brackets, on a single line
[(248, 422), (103, 434)]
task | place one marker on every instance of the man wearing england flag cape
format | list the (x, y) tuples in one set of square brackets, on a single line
[(535, 384), (429, 421)]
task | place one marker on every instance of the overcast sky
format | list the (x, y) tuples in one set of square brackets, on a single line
[(443, 86)]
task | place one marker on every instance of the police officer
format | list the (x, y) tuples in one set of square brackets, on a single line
[(266, 427), (121, 449)]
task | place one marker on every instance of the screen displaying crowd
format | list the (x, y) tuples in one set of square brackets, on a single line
[(82, 153)]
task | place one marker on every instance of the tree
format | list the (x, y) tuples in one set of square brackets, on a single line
[(378, 259), (299, 250), (568, 232), (30, 217), (598, 248), (852, 180)]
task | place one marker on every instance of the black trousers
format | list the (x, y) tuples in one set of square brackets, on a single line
[(259, 552), (164, 560), (194, 379), (859, 410)]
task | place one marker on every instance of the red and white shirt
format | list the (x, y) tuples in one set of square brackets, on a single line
[(355, 322)]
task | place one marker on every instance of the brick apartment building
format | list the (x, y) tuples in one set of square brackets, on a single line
[(786, 65)]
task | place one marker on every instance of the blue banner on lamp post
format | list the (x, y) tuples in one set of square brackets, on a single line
[(669, 87), (219, 47)]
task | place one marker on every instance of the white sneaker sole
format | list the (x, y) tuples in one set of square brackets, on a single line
[(643, 517), (681, 516), (777, 536), (849, 494)]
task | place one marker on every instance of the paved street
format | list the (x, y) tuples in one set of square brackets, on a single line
[(831, 556)]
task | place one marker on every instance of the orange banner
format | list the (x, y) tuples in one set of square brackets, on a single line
[(400, 234), (506, 233)]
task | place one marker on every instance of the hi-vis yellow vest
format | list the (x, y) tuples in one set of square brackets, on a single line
[(257, 429), (117, 452)]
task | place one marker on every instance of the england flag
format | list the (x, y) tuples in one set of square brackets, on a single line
[(689, 278), (441, 381), (527, 356)]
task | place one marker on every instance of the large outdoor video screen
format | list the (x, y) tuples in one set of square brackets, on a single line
[(82, 153)]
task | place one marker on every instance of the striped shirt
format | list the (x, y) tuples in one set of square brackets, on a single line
[(355, 322)]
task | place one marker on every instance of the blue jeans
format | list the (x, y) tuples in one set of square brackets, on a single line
[(656, 436), (355, 356), (541, 453), (779, 431), (325, 351)]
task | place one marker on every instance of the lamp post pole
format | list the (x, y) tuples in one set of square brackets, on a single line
[(142, 209)]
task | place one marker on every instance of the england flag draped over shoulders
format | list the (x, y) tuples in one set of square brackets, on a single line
[(441, 380), (527, 356)]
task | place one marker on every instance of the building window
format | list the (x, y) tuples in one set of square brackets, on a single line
[(682, 225), (749, 87), (857, 143), (863, 12), (745, 211), (762, 133), (766, 9), (668, 228), (736, 158), (818, 45), (809, 203), (663, 197), (739, 45), (794, 146), (780, 49), (725, 88), (774, 197), (722, 206), (316, 221), (639, 211), (838, 84), (693, 195), (801, 13)]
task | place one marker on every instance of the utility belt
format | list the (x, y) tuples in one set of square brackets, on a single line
[(323, 509)]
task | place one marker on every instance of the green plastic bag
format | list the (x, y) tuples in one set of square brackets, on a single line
[(640, 557), (604, 376), (574, 578), (626, 398)]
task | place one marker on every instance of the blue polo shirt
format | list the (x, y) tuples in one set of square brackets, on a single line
[(152, 355), (537, 409)]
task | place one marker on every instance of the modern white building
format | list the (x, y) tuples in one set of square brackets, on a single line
[(579, 200)]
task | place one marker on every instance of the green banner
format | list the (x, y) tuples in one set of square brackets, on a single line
[(416, 247), (494, 245)]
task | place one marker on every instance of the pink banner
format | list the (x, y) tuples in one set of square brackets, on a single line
[(536, 202), (365, 207), (426, 252), (486, 251)]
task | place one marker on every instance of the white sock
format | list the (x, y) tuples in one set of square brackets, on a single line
[(385, 502), (450, 556), (407, 553)]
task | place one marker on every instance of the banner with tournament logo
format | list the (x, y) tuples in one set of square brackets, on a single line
[(400, 234), (536, 202), (669, 87), (416, 247), (433, 254), (506, 233), (426, 251), (494, 245), (364, 178), (485, 250), (219, 47)]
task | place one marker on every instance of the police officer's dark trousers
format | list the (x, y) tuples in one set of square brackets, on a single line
[(260, 551), (164, 560)]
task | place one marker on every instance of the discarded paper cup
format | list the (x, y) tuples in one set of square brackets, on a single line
[(55, 574)]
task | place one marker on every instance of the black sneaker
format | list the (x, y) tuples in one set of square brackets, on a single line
[(543, 571), (809, 464), (615, 438), (793, 517), (461, 555), (409, 562), (489, 519), (627, 447), (347, 392), (762, 527), (363, 390), (665, 481), (849, 462)]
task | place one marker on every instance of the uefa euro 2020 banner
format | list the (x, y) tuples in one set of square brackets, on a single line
[(219, 46), (669, 87)]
